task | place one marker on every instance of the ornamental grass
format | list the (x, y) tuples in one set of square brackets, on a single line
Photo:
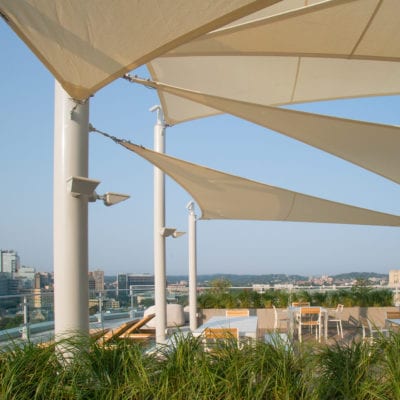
[(80, 368)]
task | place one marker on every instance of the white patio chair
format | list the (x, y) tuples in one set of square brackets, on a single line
[(370, 331), (334, 316), (280, 317)]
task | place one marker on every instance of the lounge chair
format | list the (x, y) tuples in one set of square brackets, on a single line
[(125, 330)]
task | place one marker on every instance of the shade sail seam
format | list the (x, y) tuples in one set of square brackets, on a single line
[(271, 19), (276, 53), (291, 207), (295, 79), (367, 26)]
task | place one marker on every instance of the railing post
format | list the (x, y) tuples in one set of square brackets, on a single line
[(25, 329)]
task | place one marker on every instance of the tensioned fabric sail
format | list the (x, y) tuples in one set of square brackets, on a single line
[(332, 50), (361, 29), (375, 147), (87, 44), (224, 196)]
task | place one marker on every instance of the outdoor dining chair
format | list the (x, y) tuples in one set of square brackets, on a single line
[(237, 312), (310, 317), (280, 317), (212, 337), (301, 304), (335, 316), (370, 331)]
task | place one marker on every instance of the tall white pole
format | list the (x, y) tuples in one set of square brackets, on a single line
[(159, 239), (192, 267), (70, 219)]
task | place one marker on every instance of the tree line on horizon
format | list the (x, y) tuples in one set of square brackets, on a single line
[(222, 295)]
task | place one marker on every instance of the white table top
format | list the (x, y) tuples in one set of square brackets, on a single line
[(247, 326), (395, 321)]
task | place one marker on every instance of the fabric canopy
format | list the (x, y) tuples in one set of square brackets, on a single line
[(372, 146), (224, 196), (87, 44), (332, 50), (362, 29)]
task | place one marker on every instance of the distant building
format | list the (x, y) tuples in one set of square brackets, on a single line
[(43, 280), (26, 273), (125, 281), (261, 288), (8, 286), (43, 299), (98, 276), (122, 284), (92, 286), (178, 288), (9, 262), (394, 278), (140, 280)]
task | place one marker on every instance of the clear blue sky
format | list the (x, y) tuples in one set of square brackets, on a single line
[(120, 237)]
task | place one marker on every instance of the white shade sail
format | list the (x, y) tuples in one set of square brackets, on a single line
[(224, 196), (358, 29), (87, 44), (331, 50), (375, 147)]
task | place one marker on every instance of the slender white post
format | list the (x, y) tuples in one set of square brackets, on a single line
[(25, 328), (192, 267), (70, 219), (159, 239)]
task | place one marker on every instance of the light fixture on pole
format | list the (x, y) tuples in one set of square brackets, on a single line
[(81, 186), (110, 198), (165, 232)]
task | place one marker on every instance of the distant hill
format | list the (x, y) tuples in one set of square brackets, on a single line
[(242, 280), (248, 280), (360, 275)]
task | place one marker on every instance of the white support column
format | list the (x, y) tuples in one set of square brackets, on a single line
[(192, 267), (71, 292), (159, 239)]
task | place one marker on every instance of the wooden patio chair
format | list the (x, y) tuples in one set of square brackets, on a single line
[(237, 312), (300, 304), (392, 315), (310, 317), (215, 336)]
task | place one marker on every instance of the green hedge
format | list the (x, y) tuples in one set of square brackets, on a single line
[(356, 296)]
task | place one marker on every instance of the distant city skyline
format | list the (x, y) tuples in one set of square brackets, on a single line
[(121, 237)]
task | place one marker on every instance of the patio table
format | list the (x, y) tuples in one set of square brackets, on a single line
[(392, 321), (247, 326)]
